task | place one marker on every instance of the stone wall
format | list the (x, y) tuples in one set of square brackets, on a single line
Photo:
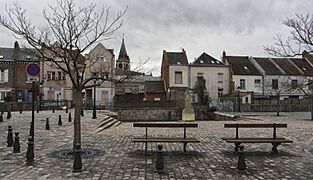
[(148, 115)]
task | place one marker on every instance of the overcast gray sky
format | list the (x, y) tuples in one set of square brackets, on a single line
[(240, 27)]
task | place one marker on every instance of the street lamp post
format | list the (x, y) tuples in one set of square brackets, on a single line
[(238, 88), (94, 113)]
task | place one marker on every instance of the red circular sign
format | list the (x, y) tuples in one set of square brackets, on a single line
[(33, 69)]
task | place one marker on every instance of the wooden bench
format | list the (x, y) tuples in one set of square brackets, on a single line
[(183, 139), (274, 140)]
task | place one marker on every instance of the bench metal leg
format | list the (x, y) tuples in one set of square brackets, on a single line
[(237, 147), (185, 145), (274, 148)]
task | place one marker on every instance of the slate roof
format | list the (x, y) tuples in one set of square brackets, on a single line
[(123, 53), (303, 65), (154, 86), (240, 65), (268, 66), (7, 54), (286, 66), (175, 58), (207, 60)]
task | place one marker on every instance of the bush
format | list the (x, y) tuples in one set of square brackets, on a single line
[(212, 109)]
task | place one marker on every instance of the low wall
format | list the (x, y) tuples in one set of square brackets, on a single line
[(148, 115)]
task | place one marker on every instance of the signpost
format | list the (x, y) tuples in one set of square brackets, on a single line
[(33, 69)]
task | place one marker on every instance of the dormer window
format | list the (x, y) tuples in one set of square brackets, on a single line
[(201, 61), (100, 58), (304, 69), (245, 67), (212, 62), (1, 56), (178, 62), (28, 57)]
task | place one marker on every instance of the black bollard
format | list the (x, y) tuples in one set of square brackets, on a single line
[(21, 111), (1, 118), (31, 129), (9, 115), (10, 137), (16, 145), (82, 112), (30, 150), (241, 166), (53, 110), (69, 117), (37, 109), (66, 109), (47, 124), (159, 165), (77, 166), (60, 120)]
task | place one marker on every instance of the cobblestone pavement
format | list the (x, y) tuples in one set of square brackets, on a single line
[(210, 159)]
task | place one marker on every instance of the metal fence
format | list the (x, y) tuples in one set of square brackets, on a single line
[(49, 105)]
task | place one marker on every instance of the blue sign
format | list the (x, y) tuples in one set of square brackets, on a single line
[(33, 69)]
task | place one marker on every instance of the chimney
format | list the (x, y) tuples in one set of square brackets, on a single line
[(224, 57), (16, 50)]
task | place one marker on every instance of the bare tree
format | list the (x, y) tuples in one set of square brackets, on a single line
[(69, 31), (300, 37), (278, 87), (298, 42)]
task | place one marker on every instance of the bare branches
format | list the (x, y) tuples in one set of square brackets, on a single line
[(299, 39)]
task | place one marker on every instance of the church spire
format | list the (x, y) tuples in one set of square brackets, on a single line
[(123, 61), (123, 53)]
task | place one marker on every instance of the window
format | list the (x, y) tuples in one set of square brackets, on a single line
[(4, 94), (242, 84), (49, 75), (247, 99), (104, 95), (59, 75), (178, 77), (220, 92), (220, 82), (100, 58), (199, 74), (257, 83), (294, 84), (64, 76), (275, 83), (53, 75), (120, 66), (4, 75)]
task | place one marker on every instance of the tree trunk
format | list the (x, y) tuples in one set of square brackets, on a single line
[(77, 125), (311, 97), (278, 104)]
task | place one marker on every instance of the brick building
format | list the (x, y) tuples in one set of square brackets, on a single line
[(14, 80)]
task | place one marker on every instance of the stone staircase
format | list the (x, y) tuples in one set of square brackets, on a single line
[(109, 121)]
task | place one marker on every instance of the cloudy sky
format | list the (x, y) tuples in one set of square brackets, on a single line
[(240, 27)]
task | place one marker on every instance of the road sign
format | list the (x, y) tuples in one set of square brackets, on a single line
[(33, 69)]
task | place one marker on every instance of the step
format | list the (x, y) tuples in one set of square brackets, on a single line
[(105, 122), (108, 125)]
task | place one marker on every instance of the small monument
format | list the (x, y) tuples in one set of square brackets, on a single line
[(188, 112)]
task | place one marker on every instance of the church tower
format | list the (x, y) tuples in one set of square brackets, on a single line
[(123, 61)]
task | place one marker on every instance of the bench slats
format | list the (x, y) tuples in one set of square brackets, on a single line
[(256, 140), (249, 125), (166, 139), (252, 138), (166, 125)]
